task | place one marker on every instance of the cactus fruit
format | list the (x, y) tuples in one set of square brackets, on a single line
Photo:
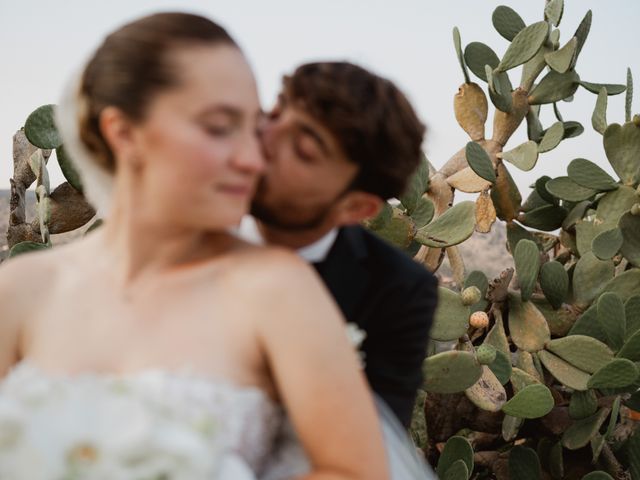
[(471, 295), (479, 320), (486, 354)]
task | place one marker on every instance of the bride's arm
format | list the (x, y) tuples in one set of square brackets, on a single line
[(317, 375), (16, 292)]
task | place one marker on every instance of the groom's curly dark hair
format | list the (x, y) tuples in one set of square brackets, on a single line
[(370, 117)]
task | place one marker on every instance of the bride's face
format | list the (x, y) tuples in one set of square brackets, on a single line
[(197, 150)]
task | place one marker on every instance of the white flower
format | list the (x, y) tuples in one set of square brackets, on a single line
[(356, 336)]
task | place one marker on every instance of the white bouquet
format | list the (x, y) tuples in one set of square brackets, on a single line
[(105, 428)]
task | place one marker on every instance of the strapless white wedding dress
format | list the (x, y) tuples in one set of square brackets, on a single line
[(154, 413), (145, 425)]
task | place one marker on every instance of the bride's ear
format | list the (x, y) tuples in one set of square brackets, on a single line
[(116, 128)]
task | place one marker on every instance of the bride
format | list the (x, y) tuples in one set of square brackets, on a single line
[(163, 301)]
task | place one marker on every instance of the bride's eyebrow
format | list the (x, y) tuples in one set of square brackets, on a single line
[(234, 114)]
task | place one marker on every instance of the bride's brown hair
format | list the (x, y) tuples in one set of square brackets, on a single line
[(132, 65)]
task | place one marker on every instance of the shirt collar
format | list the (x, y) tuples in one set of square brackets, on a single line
[(313, 253)]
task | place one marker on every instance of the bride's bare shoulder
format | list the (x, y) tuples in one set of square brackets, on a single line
[(27, 276), (271, 267)]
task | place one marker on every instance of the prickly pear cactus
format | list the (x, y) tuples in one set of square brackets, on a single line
[(536, 372), (59, 211)]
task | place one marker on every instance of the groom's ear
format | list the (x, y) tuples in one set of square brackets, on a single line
[(116, 129), (357, 206)]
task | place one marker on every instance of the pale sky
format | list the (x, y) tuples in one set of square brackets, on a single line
[(409, 41)]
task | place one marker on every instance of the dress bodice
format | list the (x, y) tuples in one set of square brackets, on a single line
[(244, 418)]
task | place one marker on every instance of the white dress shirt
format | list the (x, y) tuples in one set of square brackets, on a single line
[(314, 253)]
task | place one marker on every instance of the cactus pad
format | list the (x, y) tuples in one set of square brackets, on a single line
[(554, 282), (457, 448), (451, 228), (581, 351), (451, 372), (451, 319), (618, 373), (528, 327), (533, 401), (563, 371)]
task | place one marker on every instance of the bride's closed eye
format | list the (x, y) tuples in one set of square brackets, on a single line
[(218, 130)]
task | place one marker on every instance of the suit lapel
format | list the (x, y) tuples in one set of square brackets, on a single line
[(344, 272)]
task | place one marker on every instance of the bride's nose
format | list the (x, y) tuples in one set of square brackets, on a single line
[(248, 156)]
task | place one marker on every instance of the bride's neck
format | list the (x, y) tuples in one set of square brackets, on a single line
[(141, 242)]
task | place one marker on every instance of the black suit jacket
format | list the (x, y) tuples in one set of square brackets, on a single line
[(392, 298)]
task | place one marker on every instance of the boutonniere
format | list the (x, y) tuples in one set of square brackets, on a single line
[(356, 336)]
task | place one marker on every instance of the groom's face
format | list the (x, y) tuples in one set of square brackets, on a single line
[(307, 175)]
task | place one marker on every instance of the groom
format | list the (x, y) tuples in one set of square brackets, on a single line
[(339, 143)]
